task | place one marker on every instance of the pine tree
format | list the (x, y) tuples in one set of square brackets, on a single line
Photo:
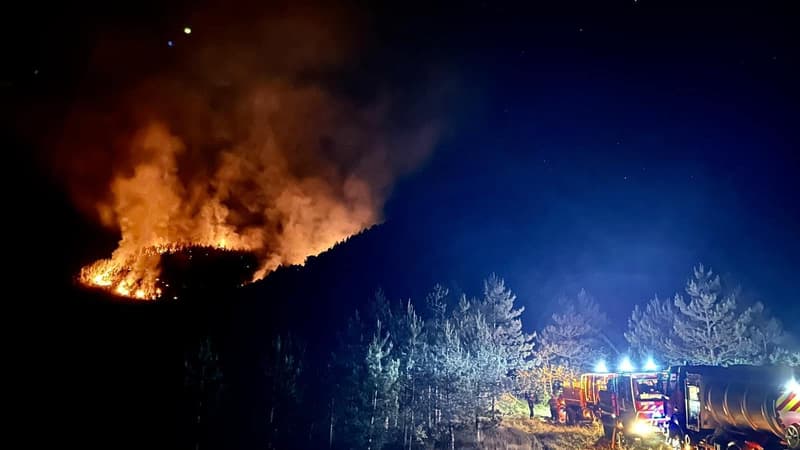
[(436, 301), (411, 352), (382, 376), (650, 331), (784, 357), (710, 329), (573, 341), (452, 383), (420, 381), (439, 365), (489, 369), (504, 323), (766, 335)]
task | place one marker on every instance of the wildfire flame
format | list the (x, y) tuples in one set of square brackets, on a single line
[(158, 213), (133, 275), (249, 152)]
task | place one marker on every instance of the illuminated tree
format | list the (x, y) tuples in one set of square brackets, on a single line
[(709, 325), (382, 376), (766, 335), (706, 327), (497, 308), (420, 381), (381, 365), (650, 331), (782, 356), (411, 350), (572, 342)]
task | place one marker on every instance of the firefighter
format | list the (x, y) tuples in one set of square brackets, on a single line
[(532, 400), (553, 403), (562, 408)]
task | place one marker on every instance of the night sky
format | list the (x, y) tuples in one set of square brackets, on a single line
[(613, 147), (605, 145), (600, 145)]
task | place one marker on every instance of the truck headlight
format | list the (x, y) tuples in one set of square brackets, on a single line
[(642, 428), (792, 386)]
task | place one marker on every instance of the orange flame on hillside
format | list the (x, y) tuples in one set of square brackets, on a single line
[(239, 144), (158, 213)]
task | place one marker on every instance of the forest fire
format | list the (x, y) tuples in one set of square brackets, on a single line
[(249, 154), (250, 204), (138, 274), (179, 268)]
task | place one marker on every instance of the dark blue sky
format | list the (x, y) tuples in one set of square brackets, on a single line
[(612, 149)]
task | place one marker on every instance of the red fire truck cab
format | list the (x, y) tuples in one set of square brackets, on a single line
[(633, 406)]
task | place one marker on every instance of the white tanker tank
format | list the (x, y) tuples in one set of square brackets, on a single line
[(715, 407)]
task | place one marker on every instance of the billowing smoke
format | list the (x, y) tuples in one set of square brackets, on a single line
[(246, 140)]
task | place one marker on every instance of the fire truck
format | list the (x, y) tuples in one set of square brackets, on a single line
[(582, 397), (633, 407), (692, 407), (733, 408)]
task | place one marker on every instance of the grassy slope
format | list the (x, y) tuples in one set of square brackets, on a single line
[(558, 437), (516, 425)]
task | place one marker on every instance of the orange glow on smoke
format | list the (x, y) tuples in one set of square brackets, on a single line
[(159, 213), (240, 144)]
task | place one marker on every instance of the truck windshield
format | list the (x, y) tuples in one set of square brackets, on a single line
[(648, 389)]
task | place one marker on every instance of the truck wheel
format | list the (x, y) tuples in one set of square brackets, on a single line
[(619, 440), (793, 436), (572, 417)]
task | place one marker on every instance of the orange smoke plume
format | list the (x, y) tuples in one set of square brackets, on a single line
[(242, 145)]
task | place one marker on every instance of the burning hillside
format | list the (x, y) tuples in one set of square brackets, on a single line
[(241, 146), (181, 270)]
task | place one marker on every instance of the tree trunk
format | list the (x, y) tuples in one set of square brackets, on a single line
[(430, 409), (372, 418), (409, 420), (330, 430), (477, 418), (397, 409), (271, 431), (411, 435), (477, 428)]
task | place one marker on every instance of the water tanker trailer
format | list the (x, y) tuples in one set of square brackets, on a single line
[(731, 408)]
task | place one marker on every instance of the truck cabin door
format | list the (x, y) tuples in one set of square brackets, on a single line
[(607, 398), (587, 393), (693, 403), (624, 394)]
